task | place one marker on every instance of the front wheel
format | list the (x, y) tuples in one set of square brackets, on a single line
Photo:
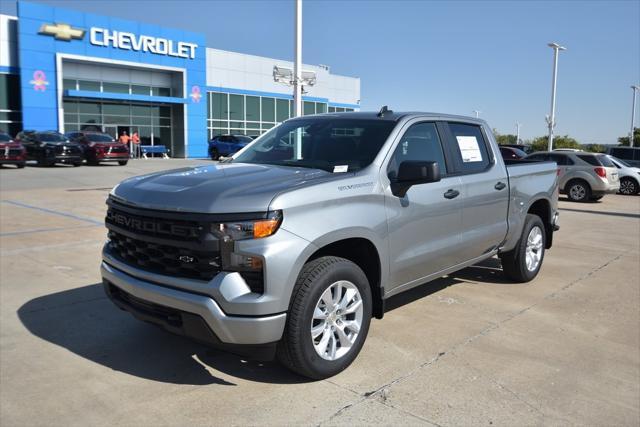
[(215, 154), (20, 165), (523, 263), (628, 187), (328, 320), (122, 162)]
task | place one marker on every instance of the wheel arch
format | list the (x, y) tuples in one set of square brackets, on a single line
[(364, 253), (542, 208)]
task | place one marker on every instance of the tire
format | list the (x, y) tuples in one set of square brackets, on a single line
[(318, 282), (76, 164), (93, 162), (596, 198), (123, 162), (629, 187), (578, 190), (20, 165), (215, 154), (516, 264)]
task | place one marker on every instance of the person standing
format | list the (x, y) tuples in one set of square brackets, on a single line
[(135, 139), (125, 139)]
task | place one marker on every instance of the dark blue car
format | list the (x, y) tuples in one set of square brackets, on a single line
[(226, 145)]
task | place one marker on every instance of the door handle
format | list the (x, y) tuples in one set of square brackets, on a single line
[(500, 186), (451, 194)]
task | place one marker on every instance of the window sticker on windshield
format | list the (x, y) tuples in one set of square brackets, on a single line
[(469, 149), (340, 168)]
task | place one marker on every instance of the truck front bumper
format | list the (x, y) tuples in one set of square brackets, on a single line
[(194, 315)]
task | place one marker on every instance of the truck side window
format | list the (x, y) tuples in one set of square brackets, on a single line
[(470, 148), (419, 142)]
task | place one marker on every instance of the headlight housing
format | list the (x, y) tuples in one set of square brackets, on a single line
[(251, 229)]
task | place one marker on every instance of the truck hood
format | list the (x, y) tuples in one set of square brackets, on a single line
[(220, 188)]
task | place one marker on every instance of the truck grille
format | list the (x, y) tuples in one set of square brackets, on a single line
[(164, 259), (67, 150), (118, 149)]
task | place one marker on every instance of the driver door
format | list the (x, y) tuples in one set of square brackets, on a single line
[(423, 225)]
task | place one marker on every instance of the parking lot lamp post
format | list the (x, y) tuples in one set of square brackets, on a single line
[(633, 114), (297, 67), (517, 133), (477, 113), (551, 119)]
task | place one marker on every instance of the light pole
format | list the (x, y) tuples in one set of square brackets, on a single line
[(633, 114), (517, 133), (297, 65), (477, 113), (551, 119)]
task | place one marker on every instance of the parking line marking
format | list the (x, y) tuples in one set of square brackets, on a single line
[(51, 211), (43, 230)]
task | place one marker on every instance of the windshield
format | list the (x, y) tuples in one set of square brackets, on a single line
[(99, 137), (606, 162), (51, 137), (4, 137), (329, 143), (622, 162)]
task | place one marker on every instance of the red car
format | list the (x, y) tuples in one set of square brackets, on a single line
[(100, 147), (11, 152)]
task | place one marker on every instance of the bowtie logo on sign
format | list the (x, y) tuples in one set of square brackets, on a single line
[(121, 40), (61, 31)]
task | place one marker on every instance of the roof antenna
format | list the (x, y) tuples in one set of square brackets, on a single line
[(384, 110)]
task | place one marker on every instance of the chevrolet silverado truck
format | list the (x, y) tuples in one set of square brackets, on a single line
[(292, 245)]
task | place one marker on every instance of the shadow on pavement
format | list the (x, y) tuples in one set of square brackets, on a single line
[(85, 322)]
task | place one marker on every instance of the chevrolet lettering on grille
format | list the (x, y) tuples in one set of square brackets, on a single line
[(150, 225)]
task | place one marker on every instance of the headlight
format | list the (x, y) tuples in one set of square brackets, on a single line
[(252, 229)]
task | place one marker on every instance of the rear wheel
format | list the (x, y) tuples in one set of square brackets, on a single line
[(523, 263), (215, 155), (76, 164), (20, 165), (596, 198), (328, 318), (44, 162), (123, 162), (578, 190), (628, 187)]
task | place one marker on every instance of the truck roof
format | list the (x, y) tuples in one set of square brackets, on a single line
[(394, 116)]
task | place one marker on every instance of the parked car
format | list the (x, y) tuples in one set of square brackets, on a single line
[(583, 176), (526, 148), (100, 147), (287, 252), (50, 147), (227, 145), (629, 176), (11, 152), (631, 155), (510, 153)]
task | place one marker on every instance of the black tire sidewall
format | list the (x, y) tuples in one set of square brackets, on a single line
[(531, 222), (342, 270), (634, 183)]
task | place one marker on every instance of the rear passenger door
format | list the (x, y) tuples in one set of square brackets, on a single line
[(423, 225), (485, 190)]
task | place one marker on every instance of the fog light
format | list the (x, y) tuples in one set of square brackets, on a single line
[(240, 262)]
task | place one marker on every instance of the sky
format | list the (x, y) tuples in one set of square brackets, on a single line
[(439, 56)]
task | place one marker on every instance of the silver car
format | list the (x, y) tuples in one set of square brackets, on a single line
[(582, 176), (629, 176)]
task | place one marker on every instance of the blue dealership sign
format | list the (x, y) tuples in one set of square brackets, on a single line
[(46, 32)]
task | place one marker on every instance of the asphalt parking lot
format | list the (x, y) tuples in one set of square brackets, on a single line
[(469, 349)]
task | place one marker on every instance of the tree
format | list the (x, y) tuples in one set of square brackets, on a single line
[(595, 148), (505, 139), (624, 140), (541, 143)]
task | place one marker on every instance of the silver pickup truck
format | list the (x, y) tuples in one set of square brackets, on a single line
[(291, 246)]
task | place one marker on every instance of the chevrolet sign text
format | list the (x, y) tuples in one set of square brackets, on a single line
[(130, 41)]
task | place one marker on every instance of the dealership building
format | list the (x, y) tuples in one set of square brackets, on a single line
[(67, 70)]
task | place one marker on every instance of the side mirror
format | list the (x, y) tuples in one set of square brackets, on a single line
[(414, 172)]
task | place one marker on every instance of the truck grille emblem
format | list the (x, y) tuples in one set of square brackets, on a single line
[(186, 259)]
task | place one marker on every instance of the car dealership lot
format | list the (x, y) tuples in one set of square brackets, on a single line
[(466, 349)]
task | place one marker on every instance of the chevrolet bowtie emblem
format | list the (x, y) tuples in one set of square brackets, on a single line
[(61, 31)]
